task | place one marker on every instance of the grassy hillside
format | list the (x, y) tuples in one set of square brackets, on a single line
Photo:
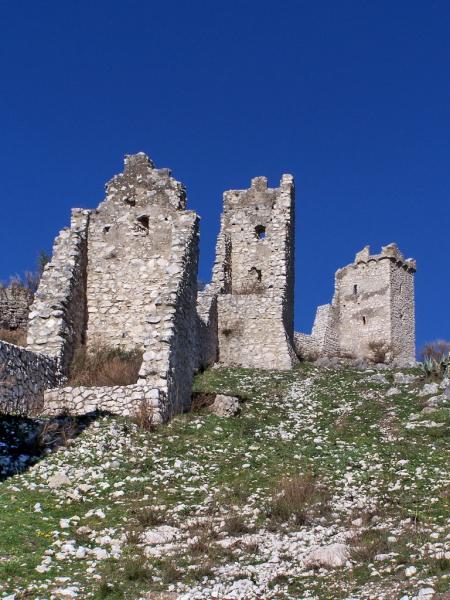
[(241, 507)]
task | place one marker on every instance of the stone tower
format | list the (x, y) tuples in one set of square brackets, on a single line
[(253, 276), (373, 304)]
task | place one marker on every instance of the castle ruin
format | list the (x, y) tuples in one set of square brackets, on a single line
[(372, 311), (124, 276)]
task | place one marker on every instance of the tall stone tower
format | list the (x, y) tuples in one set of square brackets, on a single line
[(373, 304), (254, 276)]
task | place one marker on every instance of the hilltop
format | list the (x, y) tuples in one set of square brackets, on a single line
[(329, 484)]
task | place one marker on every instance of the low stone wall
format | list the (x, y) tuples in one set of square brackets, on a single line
[(24, 375), (124, 400)]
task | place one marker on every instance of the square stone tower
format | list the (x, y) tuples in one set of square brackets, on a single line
[(373, 305), (374, 300), (254, 276)]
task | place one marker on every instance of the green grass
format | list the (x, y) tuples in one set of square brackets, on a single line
[(353, 428)]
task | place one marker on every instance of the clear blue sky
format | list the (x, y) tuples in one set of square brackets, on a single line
[(350, 97)]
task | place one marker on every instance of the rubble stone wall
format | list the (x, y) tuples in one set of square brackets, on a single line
[(402, 311), (130, 400), (252, 333), (15, 302), (170, 351), (135, 242), (24, 376), (57, 318)]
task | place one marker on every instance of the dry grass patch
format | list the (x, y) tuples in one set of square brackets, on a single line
[(104, 366), (200, 400), (236, 525), (144, 417), (298, 499)]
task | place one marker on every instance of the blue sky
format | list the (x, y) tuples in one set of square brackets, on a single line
[(352, 97)]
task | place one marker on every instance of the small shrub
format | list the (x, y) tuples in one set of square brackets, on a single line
[(434, 369), (169, 572), (202, 571), (235, 525), (378, 351), (103, 366), (144, 417), (297, 499), (18, 337), (201, 400), (436, 350), (309, 355), (149, 517), (135, 569), (370, 543)]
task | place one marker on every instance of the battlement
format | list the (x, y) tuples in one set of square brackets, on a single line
[(258, 192), (389, 252)]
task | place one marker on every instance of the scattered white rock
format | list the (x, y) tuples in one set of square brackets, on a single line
[(160, 535), (58, 480), (225, 406), (334, 555)]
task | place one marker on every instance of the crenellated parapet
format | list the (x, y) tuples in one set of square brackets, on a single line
[(389, 252)]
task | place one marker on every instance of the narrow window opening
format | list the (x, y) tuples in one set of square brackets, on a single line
[(364, 320), (260, 231), (255, 274), (355, 289), (106, 228), (143, 221), (130, 201)]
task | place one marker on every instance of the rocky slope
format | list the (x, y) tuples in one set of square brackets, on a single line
[(329, 484)]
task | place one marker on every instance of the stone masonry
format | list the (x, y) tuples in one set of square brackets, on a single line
[(125, 275), (24, 376), (253, 279), (373, 305), (15, 301)]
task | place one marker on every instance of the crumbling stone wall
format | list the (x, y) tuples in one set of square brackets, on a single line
[(373, 302), (253, 277), (15, 301), (57, 318), (125, 275), (24, 376)]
